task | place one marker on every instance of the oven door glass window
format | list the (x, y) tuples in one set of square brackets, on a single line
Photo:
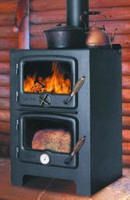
[(44, 76), (55, 135)]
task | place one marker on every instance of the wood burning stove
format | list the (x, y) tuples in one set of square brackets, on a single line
[(66, 109), (66, 116)]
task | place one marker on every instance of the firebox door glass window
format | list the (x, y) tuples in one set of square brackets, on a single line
[(47, 134), (53, 77)]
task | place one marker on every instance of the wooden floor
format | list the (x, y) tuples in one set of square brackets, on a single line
[(58, 190)]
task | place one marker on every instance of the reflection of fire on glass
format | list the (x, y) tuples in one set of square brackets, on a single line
[(55, 140), (55, 83)]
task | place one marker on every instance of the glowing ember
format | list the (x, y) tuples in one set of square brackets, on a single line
[(55, 83)]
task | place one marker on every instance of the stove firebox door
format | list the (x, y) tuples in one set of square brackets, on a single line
[(47, 81)]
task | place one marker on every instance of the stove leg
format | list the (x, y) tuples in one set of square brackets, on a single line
[(17, 180), (82, 189)]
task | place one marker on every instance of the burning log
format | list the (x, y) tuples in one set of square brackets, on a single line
[(55, 140), (55, 83)]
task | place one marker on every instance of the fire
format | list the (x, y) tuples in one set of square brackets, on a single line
[(55, 83)]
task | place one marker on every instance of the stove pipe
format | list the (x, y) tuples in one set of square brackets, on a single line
[(75, 11)]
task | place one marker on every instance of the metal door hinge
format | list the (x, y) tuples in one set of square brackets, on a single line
[(17, 69), (17, 124), (17, 96), (17, 152)]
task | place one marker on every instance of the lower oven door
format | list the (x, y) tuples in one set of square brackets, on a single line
[(48, 139)]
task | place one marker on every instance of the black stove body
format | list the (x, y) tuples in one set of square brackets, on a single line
[(94, 112)]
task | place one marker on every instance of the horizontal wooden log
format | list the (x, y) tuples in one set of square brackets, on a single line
[(126, 135), (8, 43), (40, 42), (4, 80), (41, 5), (4, 92), (7, 19), (4, 103), (108, 3), (126, 122), (4, 56), (123, 40), (7, 31), (126, 160), (126, 108), (126, 54), (8, 6), (4, 150), (126, 95), (4, 127), (54, 16), (4, 138), (122, 13), (4, 115), (4, 68), (126, 147), (126, 68), (126, 82), (116, 27), (48, 17), (38, 29)]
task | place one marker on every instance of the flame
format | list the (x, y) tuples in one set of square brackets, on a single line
[(55, 83)]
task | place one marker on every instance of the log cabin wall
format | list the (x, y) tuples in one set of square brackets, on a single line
[(45, 14), (8, 40)]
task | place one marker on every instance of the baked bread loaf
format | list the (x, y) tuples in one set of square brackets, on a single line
[(55, 140)]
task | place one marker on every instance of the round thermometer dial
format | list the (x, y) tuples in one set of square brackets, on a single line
[(45, 159)]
